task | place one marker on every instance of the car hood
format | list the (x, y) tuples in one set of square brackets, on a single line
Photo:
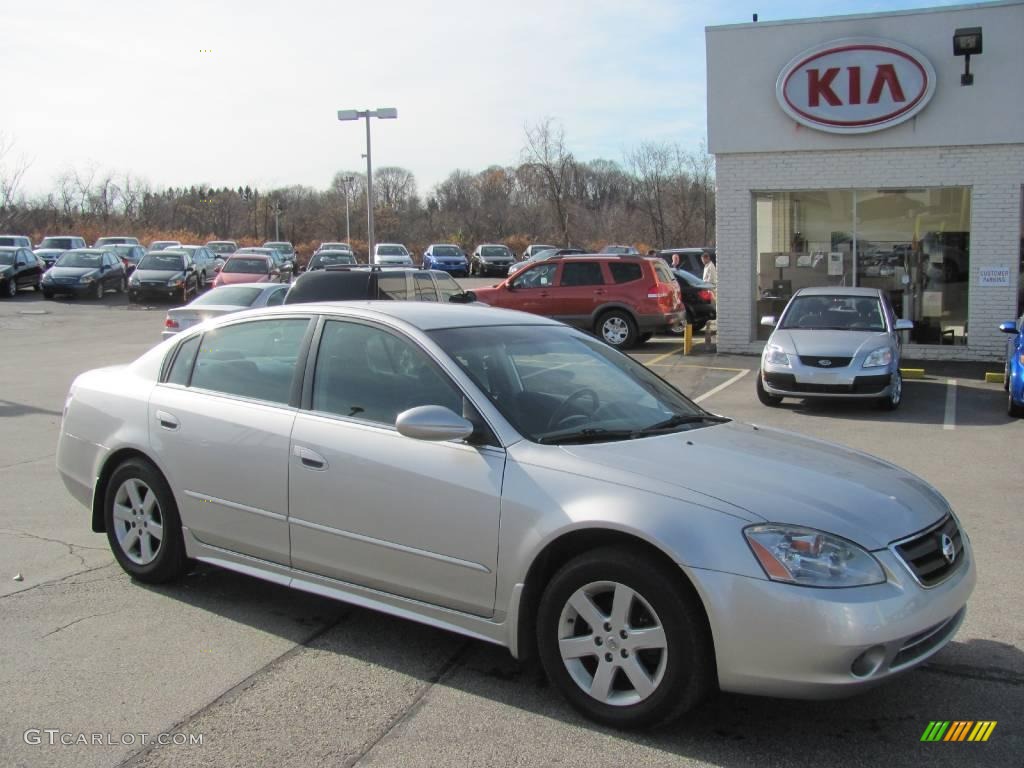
[(228, 278), (837, 343), (778, 476), (71, 271), (157, 274)]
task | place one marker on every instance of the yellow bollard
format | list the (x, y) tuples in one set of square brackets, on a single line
[(994, 378), (688, 339)]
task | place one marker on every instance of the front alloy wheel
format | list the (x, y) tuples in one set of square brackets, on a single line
[(892, 401), (624, 638), (97, 291), (12, 287)]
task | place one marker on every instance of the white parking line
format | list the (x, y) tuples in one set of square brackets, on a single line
[(721, 386), (950, 420)]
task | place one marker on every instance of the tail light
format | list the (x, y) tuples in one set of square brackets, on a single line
[(170, 322), (706, 296)]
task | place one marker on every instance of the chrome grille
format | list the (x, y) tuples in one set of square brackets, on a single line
[(923, 552)]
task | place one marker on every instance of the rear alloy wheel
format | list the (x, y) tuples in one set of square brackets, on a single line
[(142, 523), (623, 639), (617, 329), (766, 397), (892, 401)]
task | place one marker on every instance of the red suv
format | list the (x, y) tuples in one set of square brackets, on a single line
[(623, 299)]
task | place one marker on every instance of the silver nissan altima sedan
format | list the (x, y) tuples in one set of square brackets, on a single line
[(504, 476)]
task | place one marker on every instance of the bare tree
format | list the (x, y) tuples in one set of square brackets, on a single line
[(546, 154), (12, 172)]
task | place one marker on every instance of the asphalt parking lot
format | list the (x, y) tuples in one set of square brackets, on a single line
[(269, 676)]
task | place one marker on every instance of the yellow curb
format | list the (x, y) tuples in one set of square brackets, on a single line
[(994, 378), (912, 373)]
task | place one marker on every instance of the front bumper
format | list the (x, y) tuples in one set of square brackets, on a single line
[(774, 639), (848, 382), (492, 268), (450, 267), (73, 289), (153, 292)]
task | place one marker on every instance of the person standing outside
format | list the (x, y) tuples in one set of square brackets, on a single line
[(676, 261), (710, 273)]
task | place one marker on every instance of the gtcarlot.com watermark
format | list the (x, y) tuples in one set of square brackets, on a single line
[(57, 737)]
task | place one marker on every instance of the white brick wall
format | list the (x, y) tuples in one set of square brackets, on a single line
[(995, 174)]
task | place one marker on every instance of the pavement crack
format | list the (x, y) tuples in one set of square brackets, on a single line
[(986, 674), (61, 580), (77, 621), (71, 547), (27, 461), (413, 706)]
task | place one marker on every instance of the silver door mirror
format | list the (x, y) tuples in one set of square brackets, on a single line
[(904, 325), (768, 320), (433, 422)]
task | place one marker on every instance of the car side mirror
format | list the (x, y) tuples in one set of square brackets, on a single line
[(466, 297), (768, 321), (434, 423), (904, 325), (1008, 327)]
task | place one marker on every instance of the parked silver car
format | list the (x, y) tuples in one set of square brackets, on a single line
[(506, 477), (223, 300), (834, 342)]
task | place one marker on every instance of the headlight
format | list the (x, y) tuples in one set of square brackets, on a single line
[(775, 356), (878, 358), (86, 279), (811, 558), (47, 277), (134, 280), (175, 282)]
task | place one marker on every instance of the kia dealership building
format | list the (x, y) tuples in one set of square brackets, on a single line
[(873, 151)]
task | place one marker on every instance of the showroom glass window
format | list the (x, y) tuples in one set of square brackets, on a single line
[(912, 243)]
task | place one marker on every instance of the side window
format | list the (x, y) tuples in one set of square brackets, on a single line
[(424, 287), (625, 272), (21, 260), (541, 276), (393, 286), (255, 359), (276, 298), (367, 373), (447, 287), (181, 368), (581, 273)]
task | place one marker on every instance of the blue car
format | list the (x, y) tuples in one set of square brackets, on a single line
[(449, 258), (1013, 379)]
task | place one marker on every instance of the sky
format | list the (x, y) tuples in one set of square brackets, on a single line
[(228, 93)]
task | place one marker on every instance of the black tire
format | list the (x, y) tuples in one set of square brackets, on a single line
[(688, 674), (764, 396), (202, 281), (643, 338), (617, 329), (97, 292), (169, 562), (892, 401), (1006, 377), (47, 294), (699, 326), (11, 288), (1012, 408), (37, 287), (123, 285)]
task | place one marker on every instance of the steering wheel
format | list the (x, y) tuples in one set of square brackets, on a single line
[(559, 414)]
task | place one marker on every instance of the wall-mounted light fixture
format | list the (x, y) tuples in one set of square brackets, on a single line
[(967, 43)]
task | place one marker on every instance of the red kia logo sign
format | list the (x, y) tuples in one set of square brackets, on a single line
[(855, 85)]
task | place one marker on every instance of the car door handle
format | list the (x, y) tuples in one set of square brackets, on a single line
[(544, 294), (310, 459), (167, 421), (599, 292)]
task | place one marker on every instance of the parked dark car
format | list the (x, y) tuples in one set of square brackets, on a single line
[(361, 283), (106, 242), (491, 258), (325, 258), (205, 262), (19, 268), (130, 255), (698, 299), (15, 241), (85, 272), (166, 274), (287, 251), (689, 258), (50, 249)]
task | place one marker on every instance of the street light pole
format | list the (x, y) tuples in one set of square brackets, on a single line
[(347, 182), (383, 113)]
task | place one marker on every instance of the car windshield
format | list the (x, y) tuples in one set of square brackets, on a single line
[(447, 250), (125, 251), (221, 247), (248, 265), (835, 313), (55, 242), (557, 385), (285, 247), (334, 247), (334, 258), (6, 258), (229, 295), (494, 250), (543, 255), (80, 260), (163, 262), (11, 241), (390, 250)]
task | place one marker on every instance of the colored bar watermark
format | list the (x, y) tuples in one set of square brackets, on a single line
[(959, 730)]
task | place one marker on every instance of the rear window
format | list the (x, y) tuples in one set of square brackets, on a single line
[(329, 286), (447, 287), (231, 295), (663, 272), (393, 287), (625, 272)]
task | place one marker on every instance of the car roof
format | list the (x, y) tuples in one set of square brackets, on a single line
[(838, 290), (425, 315), (709, 249)]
